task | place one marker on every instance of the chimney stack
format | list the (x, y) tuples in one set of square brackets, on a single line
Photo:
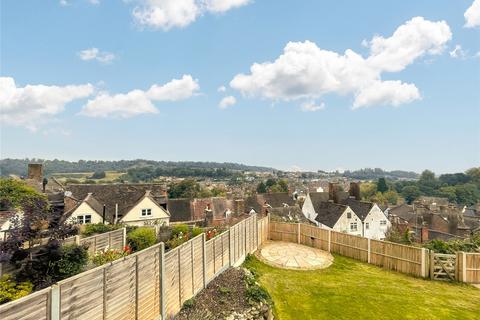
[(35, 172), (333, 190), (424, 234), (355, 190)]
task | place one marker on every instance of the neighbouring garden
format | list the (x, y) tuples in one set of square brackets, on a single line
[(354, 290), (34, 249)]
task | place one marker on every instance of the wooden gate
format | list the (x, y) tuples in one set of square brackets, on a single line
[(442, 266)]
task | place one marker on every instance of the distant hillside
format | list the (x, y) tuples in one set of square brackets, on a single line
[(19, 166), (373, 174)]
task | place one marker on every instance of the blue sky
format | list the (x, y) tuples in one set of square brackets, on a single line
[(407, 100)]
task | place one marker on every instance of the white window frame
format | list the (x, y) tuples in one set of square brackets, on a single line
[(146, 212), (383, 222), (349, 215), (352, 225), (367, 225), (82, 219)]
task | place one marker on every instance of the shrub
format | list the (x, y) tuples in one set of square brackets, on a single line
[(190, 303), (180, 229), (73, 260), (174, 242), (142, 238), (95, 228), (257, 293), (109, 255), (196, 231), (11, 290)]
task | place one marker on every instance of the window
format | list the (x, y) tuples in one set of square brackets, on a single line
[(87, 218), (146, 212), (349, 215), (367, 225), (353, 226), (383, 222)]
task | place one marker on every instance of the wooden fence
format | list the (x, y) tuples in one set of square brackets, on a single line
[(406, 259), (149, 284), (468, 267)]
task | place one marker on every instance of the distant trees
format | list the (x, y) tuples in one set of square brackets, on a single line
[(410, 193), (98, 175), (273, 185), (190, 188), (382, 185)]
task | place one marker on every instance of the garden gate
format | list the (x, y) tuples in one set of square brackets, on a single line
[(442, 266)]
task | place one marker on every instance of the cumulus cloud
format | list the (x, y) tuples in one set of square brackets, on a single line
[(227, 102), (311, 106), (34, 105), (221, 89), (136, 102), (305, 71), (96, 54), (167, 14), (472, 15)]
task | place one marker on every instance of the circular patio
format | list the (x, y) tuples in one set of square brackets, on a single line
[(294, 256)]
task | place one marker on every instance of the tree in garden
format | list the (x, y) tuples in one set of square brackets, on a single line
[(261, 188), (382, 185), (35, 223), (410, 193)]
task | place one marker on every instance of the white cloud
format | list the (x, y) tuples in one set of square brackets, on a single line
[(392, 93), (136, 102), (34, 105), (458, 52), (224, 5), (221, 89), (167, 14), (227, 102), (311, 106), (305, 71), (472, 15), (177, 89), (96, 54)]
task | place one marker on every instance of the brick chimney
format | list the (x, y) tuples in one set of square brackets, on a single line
[(424, 234), (239, 206), (332, 191), (355, 190), (35, 172)]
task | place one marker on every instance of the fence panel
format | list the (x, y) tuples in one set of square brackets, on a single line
[(397, 257), (284, 231), (314, 237), (197, 263), (186, 271), (262, 228), (210, 260), (82, 296), (348, 245), (148, 283), (468, 267), (35, 306), (120, 293), (172, 282)]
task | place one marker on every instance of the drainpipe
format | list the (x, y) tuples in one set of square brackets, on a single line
[(116, 213), (103, 214)]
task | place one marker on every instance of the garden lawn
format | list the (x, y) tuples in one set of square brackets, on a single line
[(349, 289)]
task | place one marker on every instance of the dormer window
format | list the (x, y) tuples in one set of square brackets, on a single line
[(146, 212)]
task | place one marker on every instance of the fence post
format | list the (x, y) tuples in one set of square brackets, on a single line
[(162, 280), (268, 227), (423, 271), (256, 231), (368, 251), (136, 285), (124, 237), (55, 303), (204, 254), (298, 233), (230, 255), (193, 270), (179, 277), (329, 240), (464, 267), (432, 263), (214, 258), (77, 240)]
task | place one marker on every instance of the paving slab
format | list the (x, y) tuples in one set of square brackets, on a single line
[(293, 256)]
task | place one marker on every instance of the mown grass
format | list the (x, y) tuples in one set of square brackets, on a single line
[(353, 290)]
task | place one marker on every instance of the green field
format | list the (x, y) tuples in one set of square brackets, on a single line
[(82, 176), (354, 290)]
